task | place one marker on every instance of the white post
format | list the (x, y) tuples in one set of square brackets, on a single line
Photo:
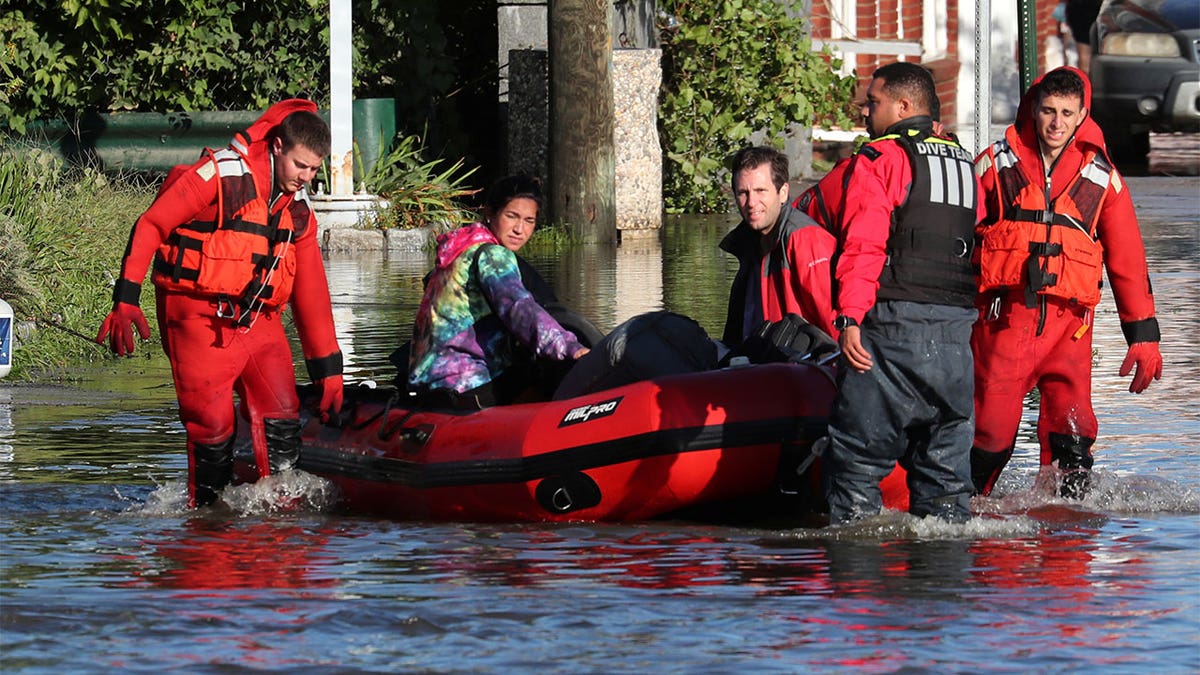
[(342, 209), (975, 50), (341, 115), (983, 74)]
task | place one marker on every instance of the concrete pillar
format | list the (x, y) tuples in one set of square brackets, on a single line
[(520, 25), (528, 113), (637, 75)]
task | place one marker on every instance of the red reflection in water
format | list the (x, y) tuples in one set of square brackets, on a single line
[(1047, 587), (1059, 573), (218, 570), (212, 555)]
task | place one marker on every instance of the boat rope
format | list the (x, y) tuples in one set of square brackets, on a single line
[(384, 432)]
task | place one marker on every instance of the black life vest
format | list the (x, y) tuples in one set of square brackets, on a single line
[(929, 247)]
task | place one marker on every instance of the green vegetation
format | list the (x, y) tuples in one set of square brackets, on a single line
[(68, 59), (63, 58), (553, 237), (62, 233), (112, 55), (731, 69), (419, 193)]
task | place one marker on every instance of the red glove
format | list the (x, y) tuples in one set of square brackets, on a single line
[(118, 325), (331, 396), (1149, 365)]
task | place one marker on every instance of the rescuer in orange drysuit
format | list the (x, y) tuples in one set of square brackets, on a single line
[(1057, 211), (233, 238)]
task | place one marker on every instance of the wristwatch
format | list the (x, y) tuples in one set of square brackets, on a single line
[(842, 322)]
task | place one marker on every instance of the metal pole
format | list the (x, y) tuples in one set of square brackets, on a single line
[(1027, 40), (341, 95), (983, 74)]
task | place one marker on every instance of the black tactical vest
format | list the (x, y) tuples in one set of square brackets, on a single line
[(929, 248)]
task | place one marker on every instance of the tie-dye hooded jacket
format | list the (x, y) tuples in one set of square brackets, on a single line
[(461, 339)]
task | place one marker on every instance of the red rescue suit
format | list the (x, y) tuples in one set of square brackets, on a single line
[(229, 252), (1041, 249), (239, 249), (788, 270), (823, 201)]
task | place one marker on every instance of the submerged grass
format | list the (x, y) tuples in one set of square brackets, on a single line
[(62, 234), (553, 237)]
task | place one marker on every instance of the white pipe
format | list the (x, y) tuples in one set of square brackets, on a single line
[(974, 75), (341, 94), (983, 74)]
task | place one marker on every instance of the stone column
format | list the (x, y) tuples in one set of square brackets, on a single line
[(528, 113), (636, 78), (637, 75)]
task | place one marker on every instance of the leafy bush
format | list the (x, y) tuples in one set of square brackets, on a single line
[(113, 55), (730, 69), (60, 59)]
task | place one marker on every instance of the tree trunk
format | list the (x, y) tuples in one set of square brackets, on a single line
[(582, 174)]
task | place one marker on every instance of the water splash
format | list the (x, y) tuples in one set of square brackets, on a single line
[(1131, 493), (892, 525), (288, 492), (167, 499), (1111, 493)]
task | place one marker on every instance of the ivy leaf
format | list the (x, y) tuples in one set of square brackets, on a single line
[(732, 69)]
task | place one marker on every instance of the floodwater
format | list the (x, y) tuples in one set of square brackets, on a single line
[(101, 569)]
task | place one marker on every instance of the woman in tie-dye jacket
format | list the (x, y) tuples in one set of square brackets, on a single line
[(475, 306)]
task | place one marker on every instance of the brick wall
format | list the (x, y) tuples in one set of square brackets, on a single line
[(945, 81), (887, 19), (899, 20), (1047, 28)]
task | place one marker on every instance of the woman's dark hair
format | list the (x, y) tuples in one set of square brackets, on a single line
[(509, 188)]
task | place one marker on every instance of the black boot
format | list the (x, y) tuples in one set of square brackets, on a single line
[(283, 443), (212, 470), (986, 467), (1074, 456)]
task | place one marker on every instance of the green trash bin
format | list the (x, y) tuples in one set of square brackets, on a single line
[(374, 122)]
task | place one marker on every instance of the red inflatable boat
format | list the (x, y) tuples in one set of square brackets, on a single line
[(633, 452)]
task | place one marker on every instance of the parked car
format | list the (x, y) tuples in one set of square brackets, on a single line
[(1145, 72)]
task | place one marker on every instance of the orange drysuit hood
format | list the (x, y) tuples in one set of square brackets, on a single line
[(1088, 132)]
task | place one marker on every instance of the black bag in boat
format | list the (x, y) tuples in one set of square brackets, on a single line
[(788, 339), (646, 346)]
